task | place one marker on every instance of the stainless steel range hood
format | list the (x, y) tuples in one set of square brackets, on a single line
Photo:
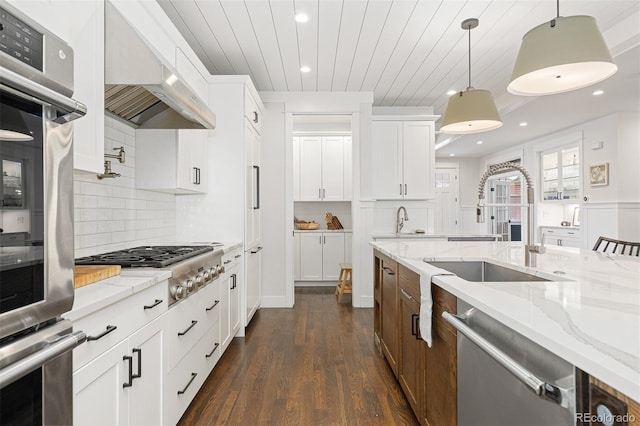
[(141, 89)]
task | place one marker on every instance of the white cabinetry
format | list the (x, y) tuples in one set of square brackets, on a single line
[(236, 159), (119, 372), (566, 237), (252, 287), (86, 37), (173, 161), (320, 255), (403, 160), (230, 291), (561, 174), (321, 167)]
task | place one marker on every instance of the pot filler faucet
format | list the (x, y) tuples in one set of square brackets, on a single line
[(400, 220), (530, 250)]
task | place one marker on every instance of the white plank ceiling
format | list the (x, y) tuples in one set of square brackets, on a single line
[(407, 52)]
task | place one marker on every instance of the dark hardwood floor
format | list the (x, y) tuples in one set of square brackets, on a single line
[(315, 364)]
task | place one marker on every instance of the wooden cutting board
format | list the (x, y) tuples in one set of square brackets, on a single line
[(87, 274)]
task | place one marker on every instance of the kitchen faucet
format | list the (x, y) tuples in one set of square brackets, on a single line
[(400, 220), (530, 249)]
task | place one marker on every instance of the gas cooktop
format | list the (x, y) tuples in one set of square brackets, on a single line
[(147, 256)]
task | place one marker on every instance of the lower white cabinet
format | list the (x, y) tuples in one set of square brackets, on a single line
[(231, 284), (124, 385), (252, 283), (565, 237), (320, 255)]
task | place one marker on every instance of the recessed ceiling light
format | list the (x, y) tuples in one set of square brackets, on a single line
[(598, 92), (524, 123), (479, 142), (451, 92), (305, 69), (452, 155), (302, 18)]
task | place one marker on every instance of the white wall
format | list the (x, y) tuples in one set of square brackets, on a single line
[(421, 216), (468, 177), (111, 214)]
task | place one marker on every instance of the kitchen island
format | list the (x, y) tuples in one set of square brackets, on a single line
[(588, 314)]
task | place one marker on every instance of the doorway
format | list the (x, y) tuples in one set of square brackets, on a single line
[(506, 220), (322, 194), (447, 196)]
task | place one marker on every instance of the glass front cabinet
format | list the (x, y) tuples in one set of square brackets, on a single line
[(561, 174)]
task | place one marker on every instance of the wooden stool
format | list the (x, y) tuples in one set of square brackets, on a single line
[(344, 281)]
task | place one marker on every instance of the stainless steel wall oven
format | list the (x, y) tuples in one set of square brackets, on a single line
[(36, 219)]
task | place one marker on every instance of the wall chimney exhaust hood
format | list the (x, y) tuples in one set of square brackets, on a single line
[(142, 90)]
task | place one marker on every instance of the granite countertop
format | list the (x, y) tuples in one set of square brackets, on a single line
[(414, 235), (590, 314), (93, 297)]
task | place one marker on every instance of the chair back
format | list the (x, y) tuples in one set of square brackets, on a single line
[(610, 245)]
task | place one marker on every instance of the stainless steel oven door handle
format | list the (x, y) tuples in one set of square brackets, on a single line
[(31, 91), (541, 388), (18, 369)]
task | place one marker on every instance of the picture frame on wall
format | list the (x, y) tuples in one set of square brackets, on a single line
[(599, 174)]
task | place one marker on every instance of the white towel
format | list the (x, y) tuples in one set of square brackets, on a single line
[(426, 301)]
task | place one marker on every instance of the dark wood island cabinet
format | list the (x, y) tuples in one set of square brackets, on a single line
[(427, 375)]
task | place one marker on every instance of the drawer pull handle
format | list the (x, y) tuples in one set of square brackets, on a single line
[(213, 306), (129, 383), (226, 262), (156, 303), (212, 351), (405, 294), (388, 270), (139, 352), (193, 376), (237, 256), (193, 324), (109, 329)]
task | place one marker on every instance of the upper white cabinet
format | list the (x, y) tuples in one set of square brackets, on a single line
[(252, 191), (321, 169), (403, 160), (173, 161), (561, 174), (86, 37)]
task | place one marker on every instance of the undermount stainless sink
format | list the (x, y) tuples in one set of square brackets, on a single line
[(480, 271)]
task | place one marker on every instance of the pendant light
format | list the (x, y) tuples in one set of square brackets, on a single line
[(471, 111), (565, 54)]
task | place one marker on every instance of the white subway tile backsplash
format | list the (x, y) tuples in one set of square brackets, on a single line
[(111, 214)]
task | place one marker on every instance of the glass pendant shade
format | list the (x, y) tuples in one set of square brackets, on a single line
[(565, 54), (471, 111)]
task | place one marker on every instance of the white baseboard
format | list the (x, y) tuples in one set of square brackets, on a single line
[(274, 302), (315, 283)]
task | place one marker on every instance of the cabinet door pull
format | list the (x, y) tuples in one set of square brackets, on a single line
[(109, 329), (193, 376), (324, 194), (405, 294), (128, 383), (414, 324), (212, 351), (195, 175), (400, 189), (139, 374), (234, 278), (193, 324), (156, 303), (215, 303), (320, 193), (255, 117), (324, 239), (257, 188), (388, 270), (405, 189)]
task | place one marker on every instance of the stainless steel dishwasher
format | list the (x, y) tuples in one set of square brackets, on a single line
[(505, 378)]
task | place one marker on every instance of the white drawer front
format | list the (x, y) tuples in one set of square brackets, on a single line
[(187, 322), (183, 383), (232, 259), (209, 302), (116, 322)]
